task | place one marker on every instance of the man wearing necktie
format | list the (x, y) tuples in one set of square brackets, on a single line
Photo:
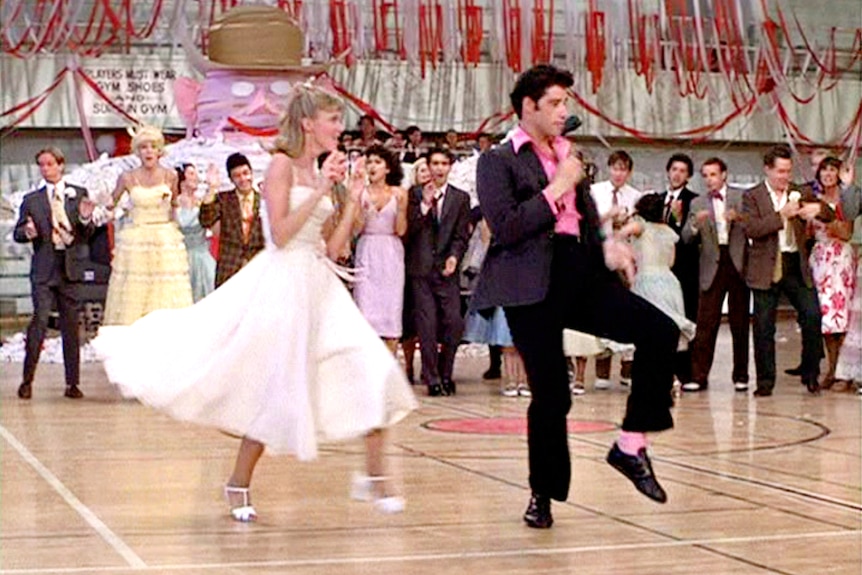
[(56, 219), (435, 242), (678, 198), (238, 210), (775, 217), (615, 201), (715, 227)]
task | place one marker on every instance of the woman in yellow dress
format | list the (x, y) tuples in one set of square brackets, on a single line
[(150, 268)]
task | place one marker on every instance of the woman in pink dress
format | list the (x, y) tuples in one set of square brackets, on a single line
[(833, 266), (379, 262)]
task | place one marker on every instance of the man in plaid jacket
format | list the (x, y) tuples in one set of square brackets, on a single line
[(238, 211)]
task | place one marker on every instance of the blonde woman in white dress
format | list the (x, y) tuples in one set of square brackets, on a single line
[(265, 356)]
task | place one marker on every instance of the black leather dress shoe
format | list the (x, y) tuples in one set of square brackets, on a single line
[(72, 392), (448, 387), (762, 392), (492, 374), (25, 391), (538, 513), (639, 471), (435, 390), (812, 386), (796, 371)]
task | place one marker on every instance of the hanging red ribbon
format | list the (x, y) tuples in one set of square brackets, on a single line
[(470, 26), (512, 32), (596, 47)]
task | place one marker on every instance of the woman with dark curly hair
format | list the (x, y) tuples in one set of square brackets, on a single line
[(833, 266), (655, 248), (380, 223)]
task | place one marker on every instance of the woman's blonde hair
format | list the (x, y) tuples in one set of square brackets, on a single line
[(305, 101), (415, 169), (147, 134)]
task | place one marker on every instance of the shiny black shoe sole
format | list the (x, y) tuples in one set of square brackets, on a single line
[(638, 470)]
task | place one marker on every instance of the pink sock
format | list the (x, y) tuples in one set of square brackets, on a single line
[(630, 442)]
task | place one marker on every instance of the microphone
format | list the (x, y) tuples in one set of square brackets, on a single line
[(573, 122)]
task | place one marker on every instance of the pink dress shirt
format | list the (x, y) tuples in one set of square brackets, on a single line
[(568, 218)]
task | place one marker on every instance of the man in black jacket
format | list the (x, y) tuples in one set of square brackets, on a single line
[(549, 267)]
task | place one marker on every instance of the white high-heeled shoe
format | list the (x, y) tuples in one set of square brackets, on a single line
[(245, 513), (362, 489)]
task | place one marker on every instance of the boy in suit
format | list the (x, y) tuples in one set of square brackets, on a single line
[(238, 210), (57, 220), (715, 226), (437, 234)]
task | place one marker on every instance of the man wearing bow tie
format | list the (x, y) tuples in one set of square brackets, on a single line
[(56, 219), (714, 225)]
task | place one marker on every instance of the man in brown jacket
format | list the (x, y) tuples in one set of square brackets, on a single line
[(238, 210), (775, 217)]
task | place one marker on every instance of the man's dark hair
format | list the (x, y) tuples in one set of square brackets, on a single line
[(780, 151), (181, 172), (621, 156), (535, 82), (715, 161), (410, 130), (443, 151), (236, 160), (396, 172), (682, 158)]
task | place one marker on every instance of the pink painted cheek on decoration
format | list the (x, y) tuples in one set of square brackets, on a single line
[(260, 108)]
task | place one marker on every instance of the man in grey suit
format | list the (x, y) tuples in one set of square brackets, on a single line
[(56, 219), (714, 224), (775, 217)]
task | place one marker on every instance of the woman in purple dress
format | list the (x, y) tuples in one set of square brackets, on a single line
[(381, 222)]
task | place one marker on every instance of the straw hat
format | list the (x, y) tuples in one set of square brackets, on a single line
[(258, 38)]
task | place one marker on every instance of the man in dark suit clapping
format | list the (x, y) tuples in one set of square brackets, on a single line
[(550, 268), (438, 217), (56, 219)]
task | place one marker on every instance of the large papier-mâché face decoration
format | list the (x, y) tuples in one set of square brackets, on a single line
[(254, 58)]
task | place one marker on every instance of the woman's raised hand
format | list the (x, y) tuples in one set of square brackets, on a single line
[(357, 179)]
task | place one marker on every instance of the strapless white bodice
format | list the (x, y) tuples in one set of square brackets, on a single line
[(311, 233)]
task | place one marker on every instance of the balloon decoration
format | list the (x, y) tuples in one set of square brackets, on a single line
[(742, 50)]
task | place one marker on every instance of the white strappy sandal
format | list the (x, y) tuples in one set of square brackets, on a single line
[(362, 489), (244, 513)]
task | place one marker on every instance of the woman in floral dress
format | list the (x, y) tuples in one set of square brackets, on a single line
[(833, 266)]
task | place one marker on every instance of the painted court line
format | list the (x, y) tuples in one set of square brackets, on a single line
[(443, 556), (103, 530)]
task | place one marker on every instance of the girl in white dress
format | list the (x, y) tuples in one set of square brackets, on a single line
[(279, 355)]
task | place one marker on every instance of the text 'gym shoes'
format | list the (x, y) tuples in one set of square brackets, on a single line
[(538, 513), (638, 469)]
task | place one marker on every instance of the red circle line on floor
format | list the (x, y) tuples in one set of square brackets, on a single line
[(510, 425)]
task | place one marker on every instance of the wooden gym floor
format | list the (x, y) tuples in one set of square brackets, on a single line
[(755, 486)]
